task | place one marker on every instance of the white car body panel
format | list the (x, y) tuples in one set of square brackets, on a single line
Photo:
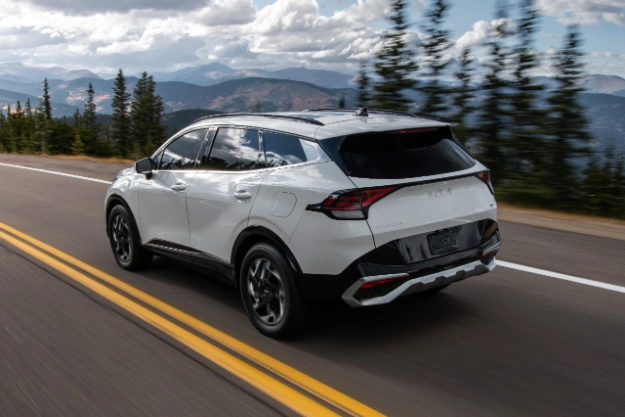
[(323, 245), (308, 183), (162, 211), (216, 215), (418, 209)]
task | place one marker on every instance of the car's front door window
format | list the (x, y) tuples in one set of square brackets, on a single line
[(182, 153)]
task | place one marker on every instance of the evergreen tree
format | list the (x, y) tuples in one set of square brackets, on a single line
[(363, 85), (567, 125), (77, 119), (89, 113), (120, 121), (526, 134), (156, 133), (342, 101), (147, 130), (462, 96), (492, 118), (77, 145), (433, 47), (140, 114), (46, 100), (41, 124), (395, 65), (28, 108)]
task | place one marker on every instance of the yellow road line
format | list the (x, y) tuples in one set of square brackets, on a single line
[(264, 383), (305, 382)]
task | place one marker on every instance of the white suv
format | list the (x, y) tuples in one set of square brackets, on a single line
[(361, 206)]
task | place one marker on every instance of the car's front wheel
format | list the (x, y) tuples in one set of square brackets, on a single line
[(269, 292), (124, 240)]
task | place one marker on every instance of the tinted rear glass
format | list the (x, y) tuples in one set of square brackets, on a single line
[(401, 154)]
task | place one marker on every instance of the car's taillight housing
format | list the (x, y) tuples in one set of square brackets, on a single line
[(352, 204), (484, 176)]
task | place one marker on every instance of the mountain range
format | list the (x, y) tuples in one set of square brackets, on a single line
[(227, 89)]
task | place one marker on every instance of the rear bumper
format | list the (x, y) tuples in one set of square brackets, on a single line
[(386, 282), (414, 285)]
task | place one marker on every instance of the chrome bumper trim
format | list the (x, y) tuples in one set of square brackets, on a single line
[(418, 284)]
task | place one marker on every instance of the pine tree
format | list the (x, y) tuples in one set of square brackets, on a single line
[(146, 114), (493, 116), (89, 113), (91, 129), (140, 114), (46, 100), (434, 46), (41, 125), (156, 133), (363, 86), (77, 119), (342, 101), (120, 121), (463, 95), (567, 126), (526, 135), (395, 64), (77, 145)]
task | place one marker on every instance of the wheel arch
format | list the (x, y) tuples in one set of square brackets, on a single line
[(115, 200), (256, 234)]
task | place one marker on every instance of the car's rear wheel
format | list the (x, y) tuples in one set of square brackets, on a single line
[(269, 292), (124, 240)]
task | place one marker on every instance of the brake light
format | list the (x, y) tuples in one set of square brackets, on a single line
[(484, 176), (351, 205)]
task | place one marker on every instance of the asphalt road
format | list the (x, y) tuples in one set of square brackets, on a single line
[(509, 343)]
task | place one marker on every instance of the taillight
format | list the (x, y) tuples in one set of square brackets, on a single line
[(484, 176), (351, 205)]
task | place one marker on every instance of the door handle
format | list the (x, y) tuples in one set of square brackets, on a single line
[(242, 195), (179, 187)]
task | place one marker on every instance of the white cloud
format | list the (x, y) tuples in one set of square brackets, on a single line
[(284, 33), (584, 12)]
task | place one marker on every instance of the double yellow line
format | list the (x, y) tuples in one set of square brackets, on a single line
[(278, 381)]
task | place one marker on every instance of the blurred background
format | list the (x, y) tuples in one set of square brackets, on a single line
[(514, 87)]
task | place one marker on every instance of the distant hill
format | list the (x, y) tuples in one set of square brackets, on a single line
[(606, 84), (214, 73), (606, 112), (235, 95), (23, 73), (11, 97)]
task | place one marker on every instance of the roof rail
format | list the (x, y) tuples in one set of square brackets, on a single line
[(279, 116), (369, 110)]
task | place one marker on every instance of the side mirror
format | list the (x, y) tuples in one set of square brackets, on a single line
[(144, 166)]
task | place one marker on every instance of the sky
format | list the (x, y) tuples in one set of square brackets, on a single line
[(166, 35)]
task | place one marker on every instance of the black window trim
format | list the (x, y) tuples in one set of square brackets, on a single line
[(176, 137), (209, 140)]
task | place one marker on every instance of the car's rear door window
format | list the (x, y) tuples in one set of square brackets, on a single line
[(183, 152), (281, 149), (234, 149), (407, 153)]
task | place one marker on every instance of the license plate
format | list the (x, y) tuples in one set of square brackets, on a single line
[(443, 242)]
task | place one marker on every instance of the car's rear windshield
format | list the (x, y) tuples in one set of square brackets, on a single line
[(406, 153)]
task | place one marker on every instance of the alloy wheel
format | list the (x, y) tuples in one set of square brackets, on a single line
[(121, 238), (266, 291)]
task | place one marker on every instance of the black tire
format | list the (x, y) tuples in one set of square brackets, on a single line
[(253, 286), (124, 240)]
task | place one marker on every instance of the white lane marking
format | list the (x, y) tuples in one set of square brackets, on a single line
[(7, 329), (584, 281), (505, 264), (56, 173)]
